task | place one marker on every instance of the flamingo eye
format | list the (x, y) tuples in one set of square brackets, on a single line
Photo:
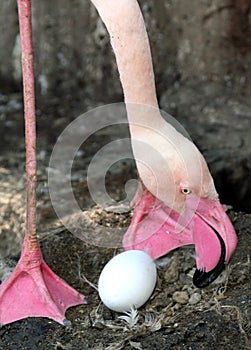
[(186, 191)]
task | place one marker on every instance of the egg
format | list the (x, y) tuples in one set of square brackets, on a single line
[(127, 280)]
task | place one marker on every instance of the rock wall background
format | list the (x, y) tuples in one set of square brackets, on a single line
[(200, 40)]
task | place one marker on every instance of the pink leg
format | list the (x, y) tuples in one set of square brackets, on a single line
[(33, 289)]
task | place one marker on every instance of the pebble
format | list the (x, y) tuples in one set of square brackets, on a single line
[(172, 272), (195, 298), (180, 297)]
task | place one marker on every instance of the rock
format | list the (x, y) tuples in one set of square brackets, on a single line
[(195, 298), (180, 297), (172, 272)]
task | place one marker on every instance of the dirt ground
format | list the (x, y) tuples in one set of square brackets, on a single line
[(178, 315)]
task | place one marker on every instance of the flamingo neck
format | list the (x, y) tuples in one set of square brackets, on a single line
[(129, 40)]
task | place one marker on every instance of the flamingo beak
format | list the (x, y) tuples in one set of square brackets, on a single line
[(157, 229), (215, 240)]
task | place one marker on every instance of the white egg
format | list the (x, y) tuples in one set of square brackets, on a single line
[(127, 280)]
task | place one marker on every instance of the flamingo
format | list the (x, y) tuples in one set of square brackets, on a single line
[(176, 204)]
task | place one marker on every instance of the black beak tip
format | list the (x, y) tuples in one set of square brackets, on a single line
[(202, 279)]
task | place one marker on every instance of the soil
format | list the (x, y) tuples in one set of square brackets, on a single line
[(177, 316)]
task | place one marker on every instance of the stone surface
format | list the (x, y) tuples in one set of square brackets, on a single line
[(73, 58), (195, 298), (180, 297)]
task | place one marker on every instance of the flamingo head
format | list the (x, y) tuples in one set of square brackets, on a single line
[(180, 207)]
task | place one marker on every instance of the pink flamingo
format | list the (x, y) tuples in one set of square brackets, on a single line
[(191, 204), (182, 206), (33, 289)]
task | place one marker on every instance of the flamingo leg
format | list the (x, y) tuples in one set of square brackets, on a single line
[(33, 289)]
